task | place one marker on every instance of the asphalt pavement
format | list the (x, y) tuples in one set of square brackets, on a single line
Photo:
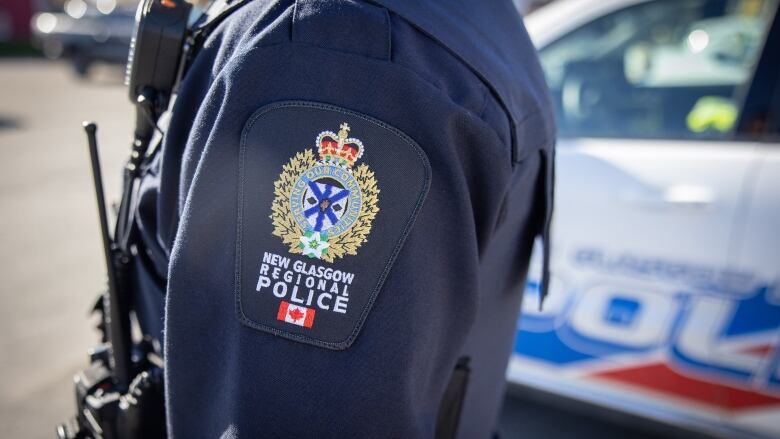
[(51, 262), (50, 257)]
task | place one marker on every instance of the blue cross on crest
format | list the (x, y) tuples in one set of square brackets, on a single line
[(323, 209)]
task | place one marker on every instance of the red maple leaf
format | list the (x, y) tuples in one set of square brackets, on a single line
[(296, 314)]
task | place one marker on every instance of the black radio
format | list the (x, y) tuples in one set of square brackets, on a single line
[(154, 59)]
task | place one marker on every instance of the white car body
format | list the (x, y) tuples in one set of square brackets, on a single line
[(665, 263)]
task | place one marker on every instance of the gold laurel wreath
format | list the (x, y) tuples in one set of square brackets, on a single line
[(285, 226)]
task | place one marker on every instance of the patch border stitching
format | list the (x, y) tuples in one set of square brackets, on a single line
[(343, 344)]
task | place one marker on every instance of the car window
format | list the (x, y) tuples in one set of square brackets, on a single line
[(663, 69)]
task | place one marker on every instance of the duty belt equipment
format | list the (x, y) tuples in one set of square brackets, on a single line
[(120, 394)]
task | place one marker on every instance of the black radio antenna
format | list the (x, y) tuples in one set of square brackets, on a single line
[(116, 307)]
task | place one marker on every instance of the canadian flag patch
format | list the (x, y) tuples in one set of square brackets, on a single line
[(297, 315)]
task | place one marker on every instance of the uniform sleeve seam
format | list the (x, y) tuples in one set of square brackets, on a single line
[(442, 94)]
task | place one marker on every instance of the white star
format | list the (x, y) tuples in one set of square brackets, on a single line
[(314, 246)]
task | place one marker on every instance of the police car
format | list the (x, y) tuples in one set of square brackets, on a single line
[(665, 300)]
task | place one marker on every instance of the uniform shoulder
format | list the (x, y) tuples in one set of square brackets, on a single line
[(361, 28)]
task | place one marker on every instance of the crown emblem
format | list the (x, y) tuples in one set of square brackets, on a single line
[(337, 149)]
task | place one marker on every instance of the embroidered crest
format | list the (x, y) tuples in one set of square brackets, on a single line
[(322, 207), (310, 268)]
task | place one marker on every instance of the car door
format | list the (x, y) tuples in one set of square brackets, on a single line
[(757, 250), (652, 181)]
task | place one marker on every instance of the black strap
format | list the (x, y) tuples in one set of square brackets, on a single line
[(548, 167), (451, 406), (215, 14)]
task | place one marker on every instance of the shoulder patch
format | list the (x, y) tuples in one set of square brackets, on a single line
[(326, 199)]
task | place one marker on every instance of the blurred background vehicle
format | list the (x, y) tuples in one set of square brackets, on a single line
[(14, 21), (86, 32), (664, 300)]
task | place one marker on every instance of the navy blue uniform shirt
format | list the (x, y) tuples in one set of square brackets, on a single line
[(342, 209)]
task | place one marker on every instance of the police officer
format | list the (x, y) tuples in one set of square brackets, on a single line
[(339, 219)]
